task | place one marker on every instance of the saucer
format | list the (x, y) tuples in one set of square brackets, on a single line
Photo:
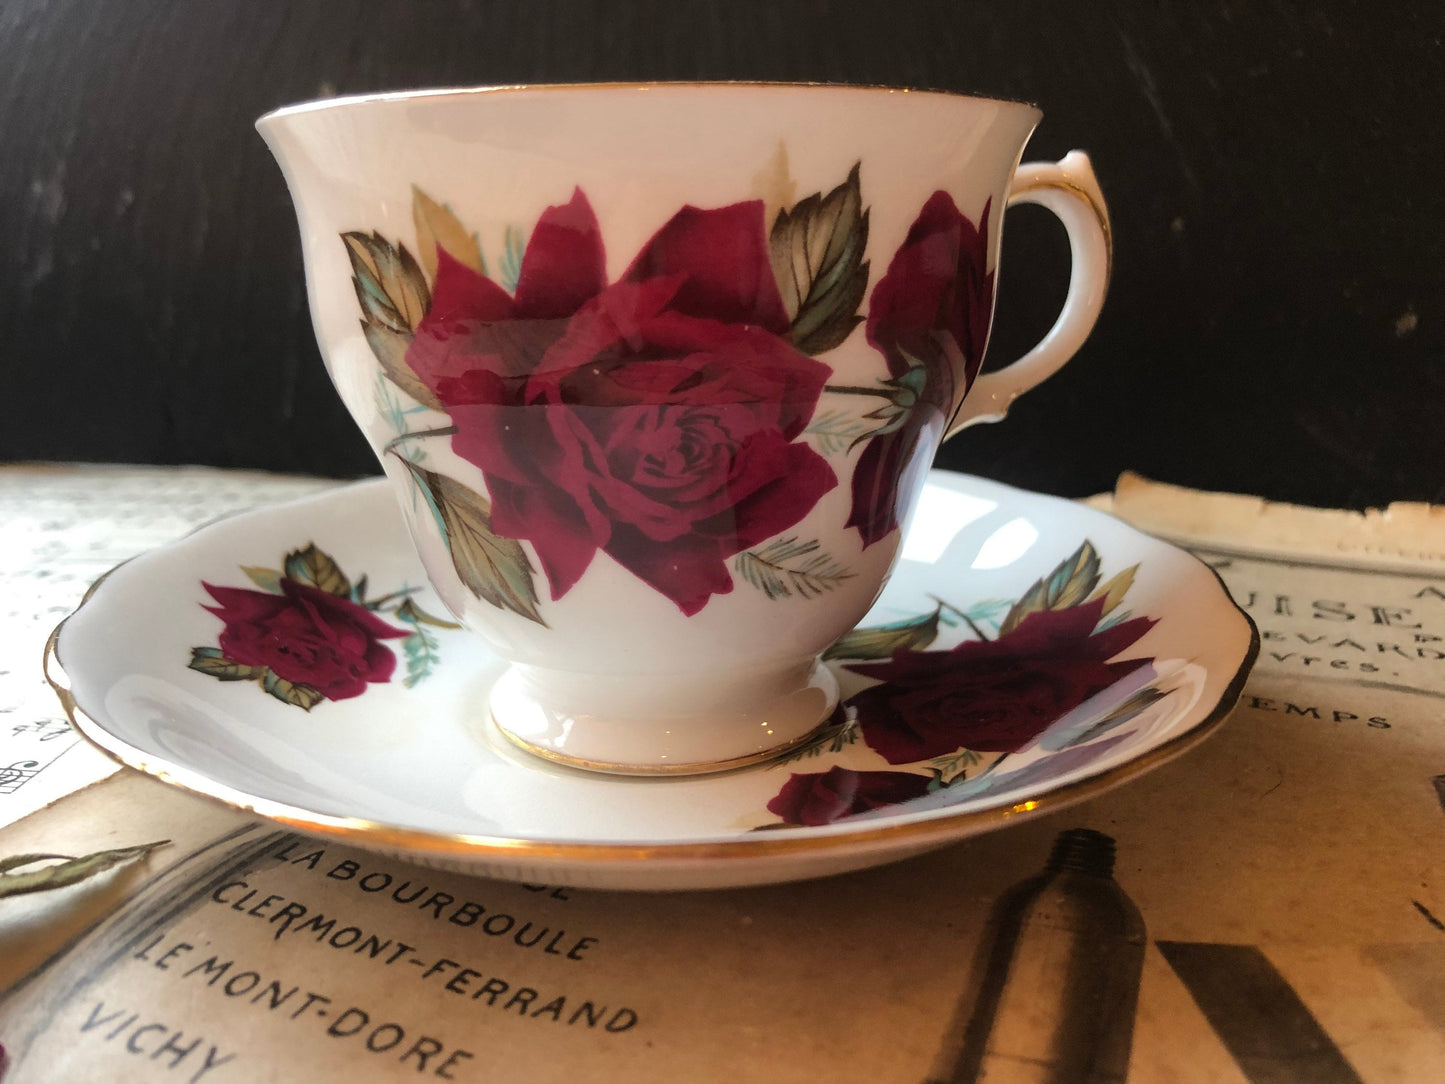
[(1027, 653)]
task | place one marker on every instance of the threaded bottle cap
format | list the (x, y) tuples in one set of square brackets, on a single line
[(1082, 850)]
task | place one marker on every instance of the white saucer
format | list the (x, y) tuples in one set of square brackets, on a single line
[(420, 773)]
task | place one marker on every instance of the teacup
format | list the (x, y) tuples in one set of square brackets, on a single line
[(658, 371)]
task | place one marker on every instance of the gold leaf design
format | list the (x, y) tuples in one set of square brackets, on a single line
[(494, 568), (394, 299), (210, 661), (774, 184), (318, 569), (70, 871), (1067, 585), (295, 693), (816, 250), (437, 226), (882, 641), (1115, 589)]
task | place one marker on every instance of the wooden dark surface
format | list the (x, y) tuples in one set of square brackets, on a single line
[(1274, 171)]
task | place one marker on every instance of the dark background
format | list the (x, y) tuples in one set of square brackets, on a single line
[(1276, 173)]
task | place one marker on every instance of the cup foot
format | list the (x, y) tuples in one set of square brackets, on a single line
[(646, 726)]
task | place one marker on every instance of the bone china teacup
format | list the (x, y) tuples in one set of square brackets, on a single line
[(657, 372)]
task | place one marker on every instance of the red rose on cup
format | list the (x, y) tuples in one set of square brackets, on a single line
[(653, 419), (306, 636), (930, 311), (823, 797), (992, 695)]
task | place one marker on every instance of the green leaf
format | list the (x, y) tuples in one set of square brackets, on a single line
[(389, 348), (422, 653), (410, 611), (904, 393), (437, 227), (832, 738), (317, 568), (1067, 585), (394, 298), (881, 641), (494, 568), (789, 567), (209, 660), (70, 871), (267, 579), (951, 768), (837, 432), (512, 253), (389, 285), (1131, 708), (816, 250), (295, 693)]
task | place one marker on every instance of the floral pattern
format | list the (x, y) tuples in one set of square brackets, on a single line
[(663, 418), (310, 634), (933, 713), (658, 416), (929, 316), (993, 696), (822, 798)]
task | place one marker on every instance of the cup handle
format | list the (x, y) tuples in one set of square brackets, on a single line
[(1068, 189)]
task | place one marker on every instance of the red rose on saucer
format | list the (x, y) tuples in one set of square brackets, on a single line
[(306, 636), (823, 797), (930, 312), (653, 419), (992, 695)]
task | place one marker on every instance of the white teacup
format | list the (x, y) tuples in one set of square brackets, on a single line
[(658, 371)]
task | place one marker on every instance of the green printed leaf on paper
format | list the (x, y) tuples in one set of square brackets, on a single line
[(295, 693), (816, 250), (494, 568), (317, 569), (70, 870), (210, 661), (437, 227), (881, 641), (1067, 585)]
